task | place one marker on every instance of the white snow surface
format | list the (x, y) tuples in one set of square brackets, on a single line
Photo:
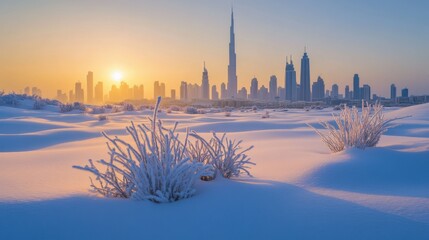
[(299, 190)]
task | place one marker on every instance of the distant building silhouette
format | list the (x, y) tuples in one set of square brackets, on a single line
[(79, 93), (242, 93), (334, 91), (305, 78), (183, 91), (273, 87), (232, 67), (89, 87), (62, 97), (215, 94), (290, 81), (393, 92), (35, 91), (205, 88), (173, 94), (366, 92), (98, 93), (254, 88), (347, 92), (318, 89), (282, 93), (223, 91), (27, 91), (356, 88), (404, 92)]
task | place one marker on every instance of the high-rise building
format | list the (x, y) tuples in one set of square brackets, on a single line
[(347, 92), (392, 92), (205, 88), (156, 90), (273, 87), (290, 81), (282, 93), (98, 93), (138, 92), (404, 92), (223, 91), (366, 95), (215, 94), (305, 78), (242, 93), (62, 97), (27, 91), (162, 90), (173, 94), (263, 93), (334, 92), (318, 89), (232, 67), (71, 96), (254, 88), (356, 88), (78, 91), (183, 91), (89, 87), (194, 91)]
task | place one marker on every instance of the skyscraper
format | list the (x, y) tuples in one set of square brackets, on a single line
[(173, 94), (89, 87), (392, 92), (334, 92), (356, 89), (273, 87), (366, 95), (183, 91), (305, 78), (215, 94), (205, 88), (318, 89), (347, 92), (98, 93), (290, 81), (404, 92), (223, 91), (78, 91), (254, 88), (232, 67)]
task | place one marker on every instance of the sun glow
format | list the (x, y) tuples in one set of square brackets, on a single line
[(117, 76)]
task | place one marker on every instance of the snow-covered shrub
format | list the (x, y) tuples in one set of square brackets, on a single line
[(38, 104), (102, 117), (79, 106), (266, 114), (66, 107), (153, 167), (191, 110), (10, 99), (96, 110), (228, 158), (227, 114), (174, 108), (254, 108), (128, 107), (355, 130), (116, 109), (199, 152), (202, 111)]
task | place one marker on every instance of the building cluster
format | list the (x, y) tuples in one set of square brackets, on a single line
[(304, 90)]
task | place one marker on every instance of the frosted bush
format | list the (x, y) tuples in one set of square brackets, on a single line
[(355, 130), (79, 106), (38, 104), (102, 117), (199, 152), (98, 110), (174, 108), (128, 107), (191, 110), (227, 114), (154, 166), (228, 158), (66, 107), (266, 114)]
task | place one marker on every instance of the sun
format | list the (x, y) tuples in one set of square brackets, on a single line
[(117, 76)]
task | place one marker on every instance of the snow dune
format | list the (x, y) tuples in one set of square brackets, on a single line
[(300, 189)]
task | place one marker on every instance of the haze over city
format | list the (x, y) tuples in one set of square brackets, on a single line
[(52, 45)]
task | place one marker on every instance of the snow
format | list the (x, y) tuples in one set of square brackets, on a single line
[(299, 191)]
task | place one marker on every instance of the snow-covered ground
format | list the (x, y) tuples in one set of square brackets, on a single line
[(299, 191)]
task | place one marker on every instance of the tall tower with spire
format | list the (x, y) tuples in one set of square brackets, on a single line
[(290, 81), (232, 67), (205, 88), (305, 78)]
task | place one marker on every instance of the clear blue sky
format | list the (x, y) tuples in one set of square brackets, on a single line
[(54, 43)]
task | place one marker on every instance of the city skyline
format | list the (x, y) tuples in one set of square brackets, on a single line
[(253, 50)]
